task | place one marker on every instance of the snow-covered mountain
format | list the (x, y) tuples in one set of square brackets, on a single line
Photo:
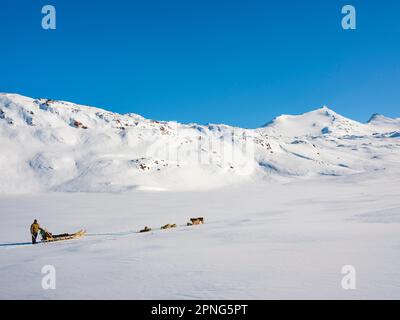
[(381, 122), (49, 145)]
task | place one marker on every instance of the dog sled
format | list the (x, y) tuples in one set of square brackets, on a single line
[(49, 237)]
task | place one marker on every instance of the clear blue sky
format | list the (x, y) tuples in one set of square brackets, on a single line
[(221, 61)]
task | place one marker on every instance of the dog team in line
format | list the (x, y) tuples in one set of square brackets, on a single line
[(193, 222)]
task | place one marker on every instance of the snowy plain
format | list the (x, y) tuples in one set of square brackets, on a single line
[(259, 242), (324, 192)]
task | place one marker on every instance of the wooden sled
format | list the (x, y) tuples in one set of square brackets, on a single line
[(75, 235)]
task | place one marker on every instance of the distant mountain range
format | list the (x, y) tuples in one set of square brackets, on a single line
[(49, 145)]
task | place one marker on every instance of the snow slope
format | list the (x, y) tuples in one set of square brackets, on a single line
[(60, 146)]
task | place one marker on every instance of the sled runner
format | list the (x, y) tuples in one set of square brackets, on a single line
[(66, 236)]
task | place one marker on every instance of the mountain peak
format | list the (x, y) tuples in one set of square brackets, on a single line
[(374, 117), (324, 110), (379, 120), (377, 117), (314, 123)]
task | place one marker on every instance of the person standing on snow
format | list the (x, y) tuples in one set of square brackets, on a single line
[(34, 230)]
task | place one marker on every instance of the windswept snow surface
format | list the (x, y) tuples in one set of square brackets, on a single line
[(286, 205), (262, 241)]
